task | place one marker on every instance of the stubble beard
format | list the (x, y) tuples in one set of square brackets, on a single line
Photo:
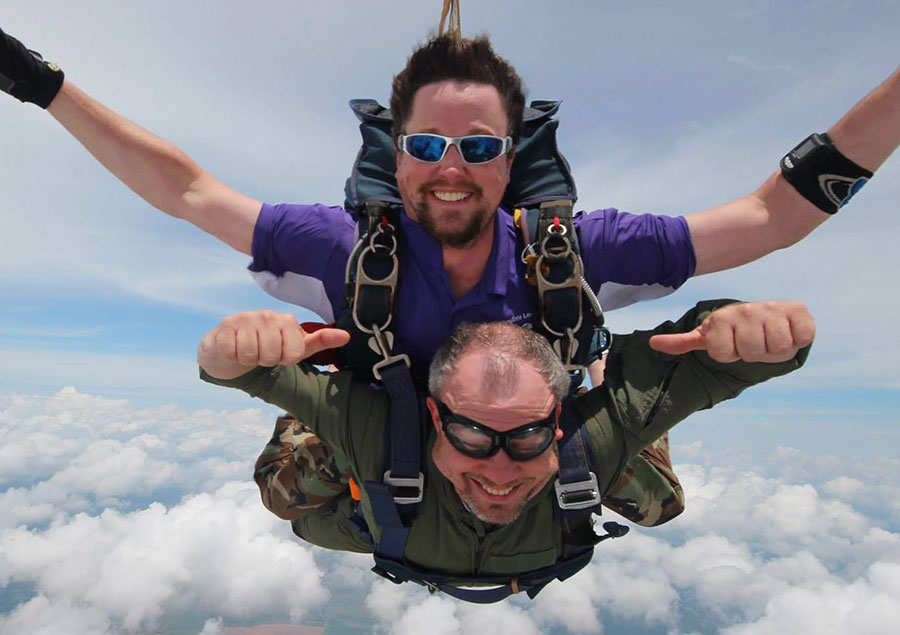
[(496, 513), (457, 239), (492, 512)]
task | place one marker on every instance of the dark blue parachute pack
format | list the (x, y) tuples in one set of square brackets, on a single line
[(540, 172), (542, 193), (541, 188)]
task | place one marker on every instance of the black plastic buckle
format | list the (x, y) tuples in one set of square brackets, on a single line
[(387, 575)]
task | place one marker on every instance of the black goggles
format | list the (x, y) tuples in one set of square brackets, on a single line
[(480, 442), (431, 148)]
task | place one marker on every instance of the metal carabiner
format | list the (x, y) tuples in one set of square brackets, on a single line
[(572, 282), (363, 279)]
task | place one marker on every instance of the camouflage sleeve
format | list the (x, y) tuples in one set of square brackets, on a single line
[(297, 471), (275, 472), (305, 464)]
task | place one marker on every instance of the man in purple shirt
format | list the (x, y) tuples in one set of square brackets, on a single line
[(461, 257)]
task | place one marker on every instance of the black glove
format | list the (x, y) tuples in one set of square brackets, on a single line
[(25, 75)]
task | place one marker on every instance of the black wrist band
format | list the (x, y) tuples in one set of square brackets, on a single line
[(25, 75), (821, 174)]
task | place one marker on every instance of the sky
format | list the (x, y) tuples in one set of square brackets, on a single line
[(126, 504)]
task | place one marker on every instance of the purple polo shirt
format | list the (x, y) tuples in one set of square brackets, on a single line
[(300, 253)]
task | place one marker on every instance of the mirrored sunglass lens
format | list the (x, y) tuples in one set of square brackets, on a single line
[(469, 439), (426, 147), (480, 149)]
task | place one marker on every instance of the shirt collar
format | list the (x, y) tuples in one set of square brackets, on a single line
[(501, 263)]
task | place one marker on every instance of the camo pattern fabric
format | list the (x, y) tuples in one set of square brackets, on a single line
[(297, 472), (648, 492)]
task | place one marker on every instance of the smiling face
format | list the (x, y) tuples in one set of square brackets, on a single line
[(453, 200), (496, 488)]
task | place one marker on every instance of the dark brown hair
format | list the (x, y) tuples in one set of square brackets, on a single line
[(445, 58)]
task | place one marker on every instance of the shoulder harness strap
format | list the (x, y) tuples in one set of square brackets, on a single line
[(577, 495), (371, 287), (554, 266)]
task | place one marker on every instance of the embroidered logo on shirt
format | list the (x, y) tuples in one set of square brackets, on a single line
[(522, 319)]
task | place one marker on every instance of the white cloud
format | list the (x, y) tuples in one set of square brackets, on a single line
[(434, 615), (866, 605), (220, 553), (797, 525), (496, 620), (74, 452), (41, 616)]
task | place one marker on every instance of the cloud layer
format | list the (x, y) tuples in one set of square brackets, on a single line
[(118, 520)]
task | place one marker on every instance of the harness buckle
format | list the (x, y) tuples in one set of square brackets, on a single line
[(578, 495), (384, 342), (417, 484), (572, 282)]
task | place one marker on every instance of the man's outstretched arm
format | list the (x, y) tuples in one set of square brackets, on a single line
[(775, 215), (770, 332), (153, 168), (655, 379)]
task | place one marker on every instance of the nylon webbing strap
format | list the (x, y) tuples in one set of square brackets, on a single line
[(577, 490), (384, 509), (482, 590), (404, 476), (405, 426)]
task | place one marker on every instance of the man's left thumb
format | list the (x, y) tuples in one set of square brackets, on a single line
[(678, 343), (323, 339)]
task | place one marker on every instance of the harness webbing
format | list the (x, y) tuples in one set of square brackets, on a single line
[(577, 491), (540, 182), (579, 499), (404, 474), (482, 590)]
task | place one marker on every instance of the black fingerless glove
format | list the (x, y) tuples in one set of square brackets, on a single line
[(25, 75)]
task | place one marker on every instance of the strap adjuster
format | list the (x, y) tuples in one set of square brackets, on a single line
[(417, 484), (578, 495), (384, 341)]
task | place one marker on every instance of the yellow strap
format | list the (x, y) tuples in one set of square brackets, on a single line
[(451, 8)]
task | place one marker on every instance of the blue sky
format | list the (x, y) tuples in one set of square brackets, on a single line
[(668, 108)]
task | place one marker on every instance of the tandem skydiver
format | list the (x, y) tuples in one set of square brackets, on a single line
[(460, 258), (503, 439)]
